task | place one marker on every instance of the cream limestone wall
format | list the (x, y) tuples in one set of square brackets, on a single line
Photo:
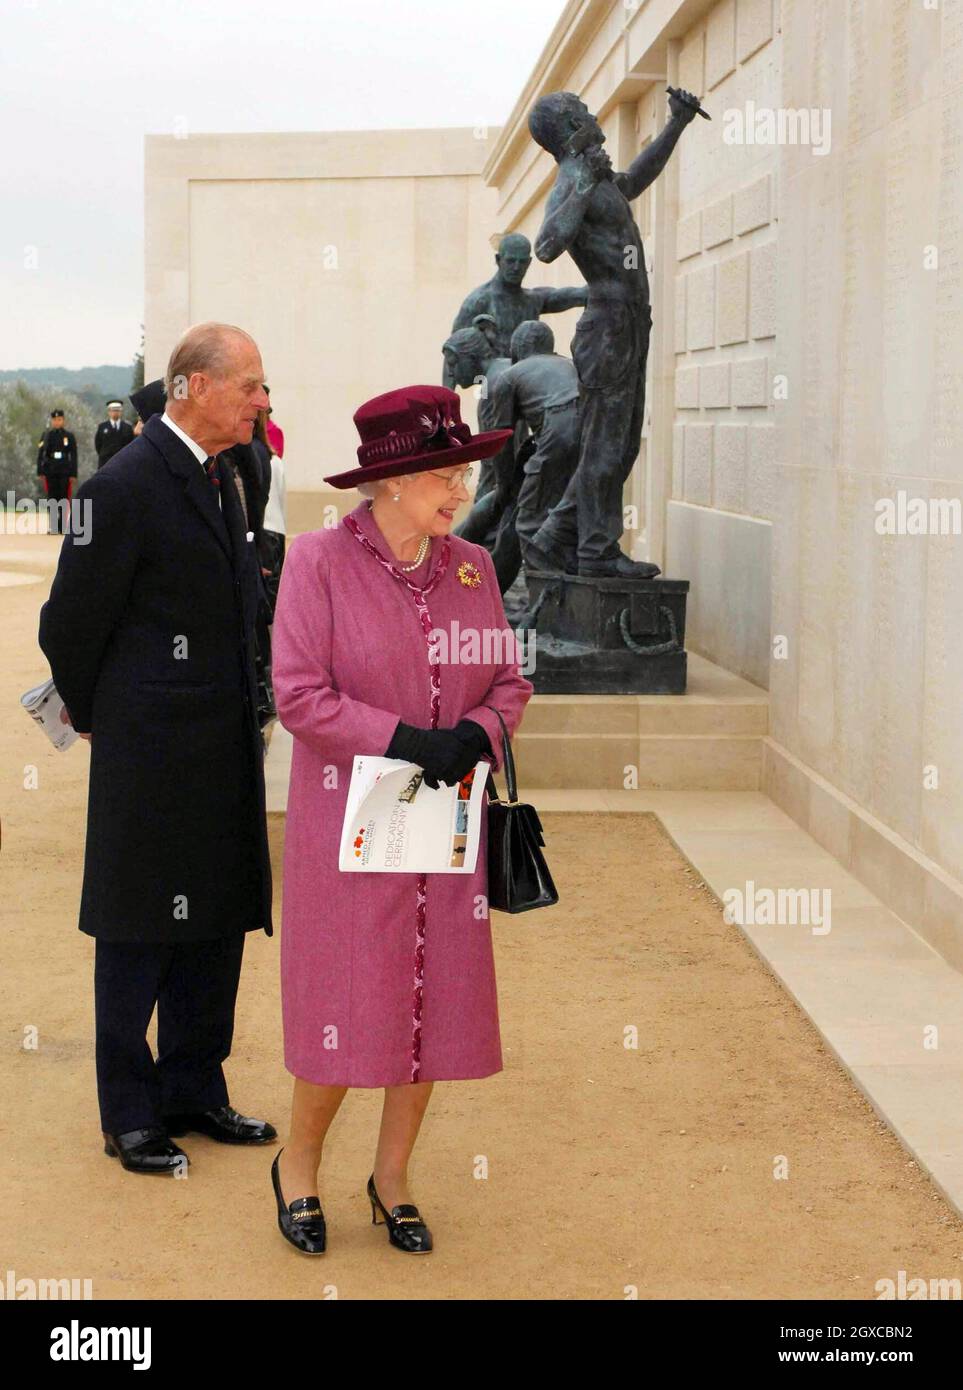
[(868, 739), (345, 254)]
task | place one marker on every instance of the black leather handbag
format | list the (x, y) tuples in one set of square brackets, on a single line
[(518, 876)]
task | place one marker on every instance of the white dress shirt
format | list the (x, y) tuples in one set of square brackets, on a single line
[(200, 454), (274, 512)]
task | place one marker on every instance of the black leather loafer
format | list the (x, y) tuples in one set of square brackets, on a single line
[(224, 1124), (146, 1151), (302, 1221), (406, 1230)]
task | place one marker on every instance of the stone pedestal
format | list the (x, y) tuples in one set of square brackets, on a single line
[(606, 636)]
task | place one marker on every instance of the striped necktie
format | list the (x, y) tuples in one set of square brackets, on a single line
[(210, 468)]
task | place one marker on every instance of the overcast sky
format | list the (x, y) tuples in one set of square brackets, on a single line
[(82, 82)]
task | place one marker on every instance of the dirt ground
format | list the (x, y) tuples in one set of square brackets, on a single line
[(610, 1169)]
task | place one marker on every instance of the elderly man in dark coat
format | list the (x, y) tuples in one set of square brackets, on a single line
[(149, 630)]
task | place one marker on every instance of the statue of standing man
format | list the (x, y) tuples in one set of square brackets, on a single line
[(507, 301), (588, 215)]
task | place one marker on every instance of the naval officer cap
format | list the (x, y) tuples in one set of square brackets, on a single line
[(113, 403)]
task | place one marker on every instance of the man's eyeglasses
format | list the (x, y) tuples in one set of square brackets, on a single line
[(463, 476)]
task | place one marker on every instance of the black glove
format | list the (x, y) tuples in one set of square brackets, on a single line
[(445, 755)]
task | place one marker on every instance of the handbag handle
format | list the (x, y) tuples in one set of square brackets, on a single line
[(508, 762)]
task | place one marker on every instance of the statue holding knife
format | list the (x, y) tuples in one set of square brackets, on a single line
[(589, 215)]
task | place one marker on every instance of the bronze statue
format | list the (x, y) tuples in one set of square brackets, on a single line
[(508, 303), (588, 215), (541, 389), (472, 359)]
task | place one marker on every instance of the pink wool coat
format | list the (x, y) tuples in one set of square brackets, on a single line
[(386, 978)]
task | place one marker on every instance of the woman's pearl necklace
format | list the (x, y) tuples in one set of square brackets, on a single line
[(422, 552)]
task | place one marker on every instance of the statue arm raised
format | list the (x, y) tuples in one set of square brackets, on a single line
[(653, 159), (566, 207)]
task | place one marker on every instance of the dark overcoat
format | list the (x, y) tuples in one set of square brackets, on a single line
[(149, 631), (109, 441)]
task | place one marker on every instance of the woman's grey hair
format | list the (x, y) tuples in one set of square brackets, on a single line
[(371, 489)]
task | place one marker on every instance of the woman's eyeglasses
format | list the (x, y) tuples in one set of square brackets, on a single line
[(463, 476)]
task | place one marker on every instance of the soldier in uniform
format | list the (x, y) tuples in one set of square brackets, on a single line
[(112, 433), (57, 466)]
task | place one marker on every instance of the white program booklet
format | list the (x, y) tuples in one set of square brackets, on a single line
[(395, 824), (45, 705)]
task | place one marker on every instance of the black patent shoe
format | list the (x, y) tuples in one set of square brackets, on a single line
[(406, 1230), (223, 1124), (302, 1221), (147, 1150)]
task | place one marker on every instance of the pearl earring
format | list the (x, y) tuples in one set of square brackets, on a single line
[(396, 497)]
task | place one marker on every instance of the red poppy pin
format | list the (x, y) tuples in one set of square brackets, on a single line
[(469, 574)]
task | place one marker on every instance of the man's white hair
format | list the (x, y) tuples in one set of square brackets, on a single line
[(205, 347)]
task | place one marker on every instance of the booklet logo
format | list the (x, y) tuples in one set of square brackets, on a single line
[(76, 1343)]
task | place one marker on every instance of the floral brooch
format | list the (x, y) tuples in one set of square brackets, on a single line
[(469, 574)]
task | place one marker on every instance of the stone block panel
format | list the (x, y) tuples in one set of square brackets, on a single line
[(692, 64), (753, 27), (720, 42), (729, 468), (687, 388), (733, 290), (698, 464), (714, 385), (678, 461), (750, 382), (717, 223), (761, 475), (680, 324), (688, 235), (700, 308), (762, 291), (751, 206)]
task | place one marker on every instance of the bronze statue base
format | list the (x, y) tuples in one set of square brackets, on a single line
[(604, 636)]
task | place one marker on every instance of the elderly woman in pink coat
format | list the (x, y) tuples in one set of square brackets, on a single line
[(387, 978)]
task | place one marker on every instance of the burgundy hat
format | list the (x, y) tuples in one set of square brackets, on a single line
[(412, 430)]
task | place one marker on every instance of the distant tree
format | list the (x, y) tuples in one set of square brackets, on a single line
[(137, 376), (24, 415)]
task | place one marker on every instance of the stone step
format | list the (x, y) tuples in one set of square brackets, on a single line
[(716, 702), (694, 762), (709, 739)]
